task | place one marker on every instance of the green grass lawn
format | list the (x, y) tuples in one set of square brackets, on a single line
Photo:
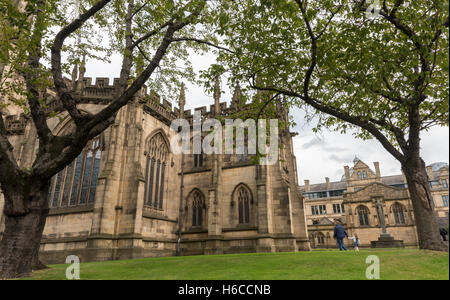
[(316, 265)]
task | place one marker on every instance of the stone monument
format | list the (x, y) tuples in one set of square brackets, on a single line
[(385, 240)]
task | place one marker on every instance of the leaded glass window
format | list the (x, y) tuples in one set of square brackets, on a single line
[(399, 214), (363, 214), (155, 172), (77, 183), (243, 196), (197, 209), (320, 239), (445, 200)]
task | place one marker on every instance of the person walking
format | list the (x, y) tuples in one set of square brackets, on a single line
[(355, 239), (443, 232), (339, 235)]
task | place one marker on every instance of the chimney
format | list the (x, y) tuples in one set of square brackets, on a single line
[(347, 173), (350, 187), (403, 176), (307, 189), (430, 172), (327, 180), (377, 170)]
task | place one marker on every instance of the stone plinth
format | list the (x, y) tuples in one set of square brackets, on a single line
[(387, 241)]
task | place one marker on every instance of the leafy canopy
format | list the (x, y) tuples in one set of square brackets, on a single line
[(99, 38), (367, 66)]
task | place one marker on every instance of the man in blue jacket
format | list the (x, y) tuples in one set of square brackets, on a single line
[(339, 235)]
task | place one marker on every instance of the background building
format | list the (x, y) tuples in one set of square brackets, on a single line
[(353, 200)]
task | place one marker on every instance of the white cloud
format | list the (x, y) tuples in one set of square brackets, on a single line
[(195, 95), (328, 157)]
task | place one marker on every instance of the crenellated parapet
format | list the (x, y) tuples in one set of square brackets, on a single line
[(208, 112), (16, 124), (99, 91), (161, 110), (102, 92), (164, 111)]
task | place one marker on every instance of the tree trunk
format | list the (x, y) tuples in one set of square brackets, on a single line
[(19, 247), (423, 205)]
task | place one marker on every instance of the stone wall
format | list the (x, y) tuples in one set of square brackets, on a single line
[(119, 225)]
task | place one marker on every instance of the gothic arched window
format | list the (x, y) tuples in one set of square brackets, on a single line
[(76, 184), (399, 214), (155, 172), (198, 202), (363, 214), (243, 200)]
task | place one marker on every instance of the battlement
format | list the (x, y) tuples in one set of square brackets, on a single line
[(207, 113), (101, 89), (16, 124), (102, 92)]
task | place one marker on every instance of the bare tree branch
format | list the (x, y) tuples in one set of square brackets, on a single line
[(34, 55), (200, 41), (47, 166), (63, 93), (151, 33), (355, 120)]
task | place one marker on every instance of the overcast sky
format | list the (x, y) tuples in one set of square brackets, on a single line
[(318, 155)]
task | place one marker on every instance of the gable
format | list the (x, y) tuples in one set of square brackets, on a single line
[(325, 221), (360, 165), (379, 189), (361, 171), (443, 171)]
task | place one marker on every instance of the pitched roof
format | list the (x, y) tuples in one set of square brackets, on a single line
[(437, 166), (387, 180), (320, 187), (391, 180)]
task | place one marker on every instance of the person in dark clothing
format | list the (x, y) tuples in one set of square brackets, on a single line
[(443, 233), (339, 235)]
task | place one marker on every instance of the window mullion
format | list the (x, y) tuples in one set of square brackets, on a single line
[(161, 193), (91, 173)]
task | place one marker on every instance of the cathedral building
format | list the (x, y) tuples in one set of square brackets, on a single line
[(357, 199), (127, 195)]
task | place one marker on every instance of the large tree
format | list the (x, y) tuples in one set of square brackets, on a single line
[(35, 35), (380, 71)]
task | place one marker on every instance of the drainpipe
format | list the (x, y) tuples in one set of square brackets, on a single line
[(180, 217)]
